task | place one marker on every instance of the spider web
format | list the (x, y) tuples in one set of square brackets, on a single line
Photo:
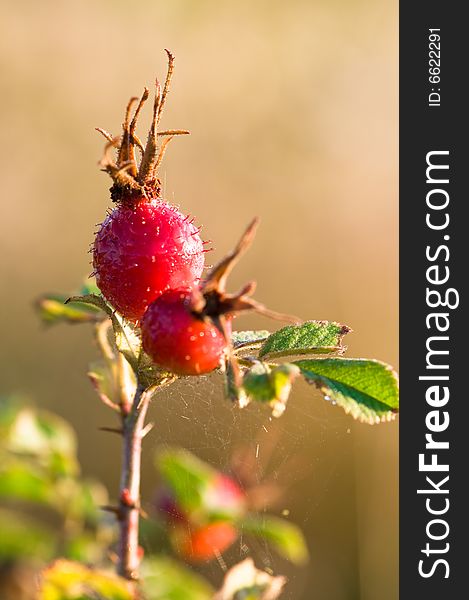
[(282, 456)]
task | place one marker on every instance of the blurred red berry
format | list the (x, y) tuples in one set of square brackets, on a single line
[(205, 543)]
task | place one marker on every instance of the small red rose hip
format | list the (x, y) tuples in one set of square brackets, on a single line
[(212, 540), (179, 340), (188, 331), (205, 543), (143, 249)]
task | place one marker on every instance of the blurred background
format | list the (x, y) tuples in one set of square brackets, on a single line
[(293, 112)]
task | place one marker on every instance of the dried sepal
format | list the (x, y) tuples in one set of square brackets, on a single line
[(216, 301), (129, 176)]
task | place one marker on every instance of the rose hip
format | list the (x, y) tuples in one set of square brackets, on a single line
[(145, 246), (177, 339), (141, 251)]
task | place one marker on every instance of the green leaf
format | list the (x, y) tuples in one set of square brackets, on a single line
[(85, 499), (264, 383), (164, 579), (52, 309), (40, 432), (129, 342), (233, 390), (284, 536), (200, 489), (187, 476), (39, 450), (248, 339), (367, 389), (150, 375), (95, 300), (24, 482), (127, 334), (311, 337), (9, 407), (66, 580), (128, 339), (45, 436), (22, 538), (90, 287), (86, 547)]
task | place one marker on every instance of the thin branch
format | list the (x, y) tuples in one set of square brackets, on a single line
[(129, 560)]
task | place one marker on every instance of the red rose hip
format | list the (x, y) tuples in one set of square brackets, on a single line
[(204, 543), (145, 246), (210, 541), (179, 340), (188, 331), (142, 250)]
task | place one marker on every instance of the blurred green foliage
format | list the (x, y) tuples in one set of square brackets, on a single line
[(48, 512), (40, 479), (200, 495)]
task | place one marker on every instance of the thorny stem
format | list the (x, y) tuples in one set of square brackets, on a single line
[(131, 398), (129, 494), (133, 411)]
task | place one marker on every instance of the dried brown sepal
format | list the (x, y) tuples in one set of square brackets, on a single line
[(211, 301), (133, 180), (148, 159), (216, 279), (125, 151), (161, 153), (106, 134), (173, 132), (167, 83), (220, 323)]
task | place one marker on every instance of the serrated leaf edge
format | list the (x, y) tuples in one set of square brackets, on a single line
[(325, 391), (344, 329)]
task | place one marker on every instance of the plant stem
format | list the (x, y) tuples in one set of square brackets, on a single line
[(129, 504)]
